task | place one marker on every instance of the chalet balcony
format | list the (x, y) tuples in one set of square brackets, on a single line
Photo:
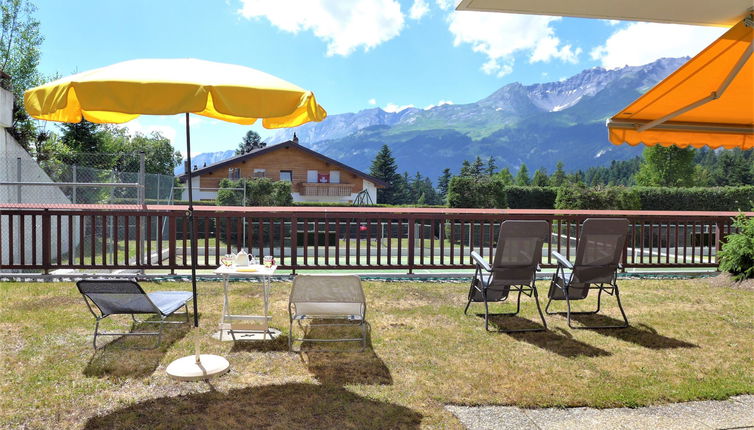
[(325, 190)]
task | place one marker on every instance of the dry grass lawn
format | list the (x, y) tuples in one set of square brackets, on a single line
[(689, 339)]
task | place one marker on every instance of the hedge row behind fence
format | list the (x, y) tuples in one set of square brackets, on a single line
[(470, 193)]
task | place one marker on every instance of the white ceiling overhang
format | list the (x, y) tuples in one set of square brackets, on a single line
[(697, 12)]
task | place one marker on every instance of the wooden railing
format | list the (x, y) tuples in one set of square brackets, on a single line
[(329, 190), (45, 238)]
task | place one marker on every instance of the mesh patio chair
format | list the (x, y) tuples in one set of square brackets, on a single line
[(123, 297), (598, 255), (517, 257), (327, 297)]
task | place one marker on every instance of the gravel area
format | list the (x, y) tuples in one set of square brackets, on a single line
[(734, 413)]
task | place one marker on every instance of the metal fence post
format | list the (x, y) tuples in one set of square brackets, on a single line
[(74, 179), (142, 199)]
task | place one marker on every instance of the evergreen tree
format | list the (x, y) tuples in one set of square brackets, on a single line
[(522, 177), (384, 168), (82, 137), (466, 169), (250, 141), (540, 178), (477, 168), (442, 184), (558, 178), (732, 169), (666, 167), (491, 167), (505, 177)]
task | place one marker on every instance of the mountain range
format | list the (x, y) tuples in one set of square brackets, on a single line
[(537, 124)]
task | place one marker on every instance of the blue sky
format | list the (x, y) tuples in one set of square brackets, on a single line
[(354, 55)]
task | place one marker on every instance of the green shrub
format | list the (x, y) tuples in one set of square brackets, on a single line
[(470, 192), (530, 197), (597, 198), (696, 198), (259, 192), (737, 255)]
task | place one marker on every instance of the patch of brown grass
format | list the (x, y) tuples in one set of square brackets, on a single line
[(686, 341)]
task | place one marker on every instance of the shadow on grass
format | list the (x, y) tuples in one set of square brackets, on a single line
[(279, 344), (343, 363), (557, 341), (129, 356), (640, 334), (272, 406)]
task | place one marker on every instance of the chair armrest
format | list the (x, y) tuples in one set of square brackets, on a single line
[(480, 261), (562, 260)]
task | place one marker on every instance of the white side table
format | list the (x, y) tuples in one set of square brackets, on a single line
[(247, 327)]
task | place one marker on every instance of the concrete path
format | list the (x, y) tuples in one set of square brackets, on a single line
[(735, 413)]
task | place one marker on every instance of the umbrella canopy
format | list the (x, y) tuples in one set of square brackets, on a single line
[(123, 91), (709, 101)]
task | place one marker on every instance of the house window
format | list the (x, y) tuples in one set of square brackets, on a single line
[(234, 173), (311, 176), (286, 175), (259, 173), (334, 176)]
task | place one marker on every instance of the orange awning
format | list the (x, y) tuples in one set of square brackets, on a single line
[(709, 101)]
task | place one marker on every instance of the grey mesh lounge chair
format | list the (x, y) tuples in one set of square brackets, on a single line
[(328, 297), (596, 268), (123, 297), (514, 268)]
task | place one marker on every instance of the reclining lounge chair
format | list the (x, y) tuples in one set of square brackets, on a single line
[(123, 297), (598, 255), (514, 268), (327, 297)]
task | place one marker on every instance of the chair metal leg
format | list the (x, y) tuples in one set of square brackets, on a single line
[(518, 309), (620, 306)]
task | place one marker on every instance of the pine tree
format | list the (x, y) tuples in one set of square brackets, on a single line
[(505, 176), (477, 168), (540, 178), (491, 167), (466, 168), (522, 177), (250, 141), (558, 178), (82, 137), (384, 168), (442, 184)]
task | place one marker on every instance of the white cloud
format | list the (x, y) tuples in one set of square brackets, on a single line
[(344, 26), (372, 102), (418, 9), (499, 36), (440, 103), (612, 22), (135, 126), (643, 42), (446, 4), (392, 107)]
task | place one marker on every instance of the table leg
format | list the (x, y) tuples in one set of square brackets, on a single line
[(226, 310)]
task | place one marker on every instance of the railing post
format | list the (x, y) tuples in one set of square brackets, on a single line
[(411, 244), (294, 244), (718, 240), (46, 241), (171, 241)]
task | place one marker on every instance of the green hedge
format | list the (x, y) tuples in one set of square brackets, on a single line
[(597, 198), (530, 197), (469, 192), (699, 199)]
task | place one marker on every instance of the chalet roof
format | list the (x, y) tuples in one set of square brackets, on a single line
[(287, 144)]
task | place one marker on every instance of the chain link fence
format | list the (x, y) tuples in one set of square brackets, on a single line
[(84, 178)]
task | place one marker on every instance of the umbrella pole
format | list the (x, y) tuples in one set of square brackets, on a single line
[(197, 366)]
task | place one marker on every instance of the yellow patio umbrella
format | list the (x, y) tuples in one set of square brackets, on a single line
[(709, 101), (123, 91)]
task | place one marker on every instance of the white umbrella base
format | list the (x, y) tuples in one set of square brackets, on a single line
[(187, 369)]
